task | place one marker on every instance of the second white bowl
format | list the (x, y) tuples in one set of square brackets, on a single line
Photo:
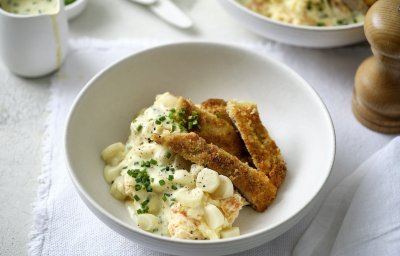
[(305, 36)]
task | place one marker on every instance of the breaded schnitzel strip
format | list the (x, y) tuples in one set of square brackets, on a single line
[(216, 107), (213, 129), (262, 148), (252, 184)]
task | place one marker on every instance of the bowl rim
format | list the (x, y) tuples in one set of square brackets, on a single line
[(259, 16), (89, 199), (74, 5), (74, 9)]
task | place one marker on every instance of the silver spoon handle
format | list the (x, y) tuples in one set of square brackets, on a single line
[(169, 12)]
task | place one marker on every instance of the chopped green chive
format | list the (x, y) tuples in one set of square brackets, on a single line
[(182, 112), (165, 196), (168, 169), (160, 119), (162, 182), (183, 120), (133, 173), (67, 2), (171, 114), (309, 5), (148, 163), (145, 202), (142, 179)]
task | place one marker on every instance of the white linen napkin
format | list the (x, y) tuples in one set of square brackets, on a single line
[(361, 216), (64, 225)]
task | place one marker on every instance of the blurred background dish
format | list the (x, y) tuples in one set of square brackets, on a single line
[(74, 7), (319, 13), (292, 111), (319, 36)]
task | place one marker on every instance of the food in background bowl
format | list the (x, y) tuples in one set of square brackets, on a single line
[(74, 8), (177, 170), (296, 34), (310, 12)]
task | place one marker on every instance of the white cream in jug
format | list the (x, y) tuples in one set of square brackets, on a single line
[(30, 7)]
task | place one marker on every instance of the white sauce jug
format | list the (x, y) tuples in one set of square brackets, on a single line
[(33, 36)]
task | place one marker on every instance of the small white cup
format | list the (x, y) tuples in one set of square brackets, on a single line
[(34, 45)]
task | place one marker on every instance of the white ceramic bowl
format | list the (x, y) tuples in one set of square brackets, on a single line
[(292, 111), (305, 36), (75, 9)]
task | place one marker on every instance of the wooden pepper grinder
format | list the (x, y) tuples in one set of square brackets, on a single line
[(376, 95)]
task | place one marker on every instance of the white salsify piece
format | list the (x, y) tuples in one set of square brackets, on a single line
[(207, 180), (230, 232), (147, 221), (225, 188), (189, 198), (213, 216)]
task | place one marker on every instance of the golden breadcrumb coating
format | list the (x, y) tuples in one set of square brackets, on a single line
[(213, 129), (218, 108), (255, 186), (265, 153)]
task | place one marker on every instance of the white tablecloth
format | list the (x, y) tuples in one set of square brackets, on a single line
[(63, 224)]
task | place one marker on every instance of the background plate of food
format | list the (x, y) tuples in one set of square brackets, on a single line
[(307, 23), (74, 8), (199, 148)]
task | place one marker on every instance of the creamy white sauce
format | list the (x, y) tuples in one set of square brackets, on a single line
[(170, 202), (30, 7)]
